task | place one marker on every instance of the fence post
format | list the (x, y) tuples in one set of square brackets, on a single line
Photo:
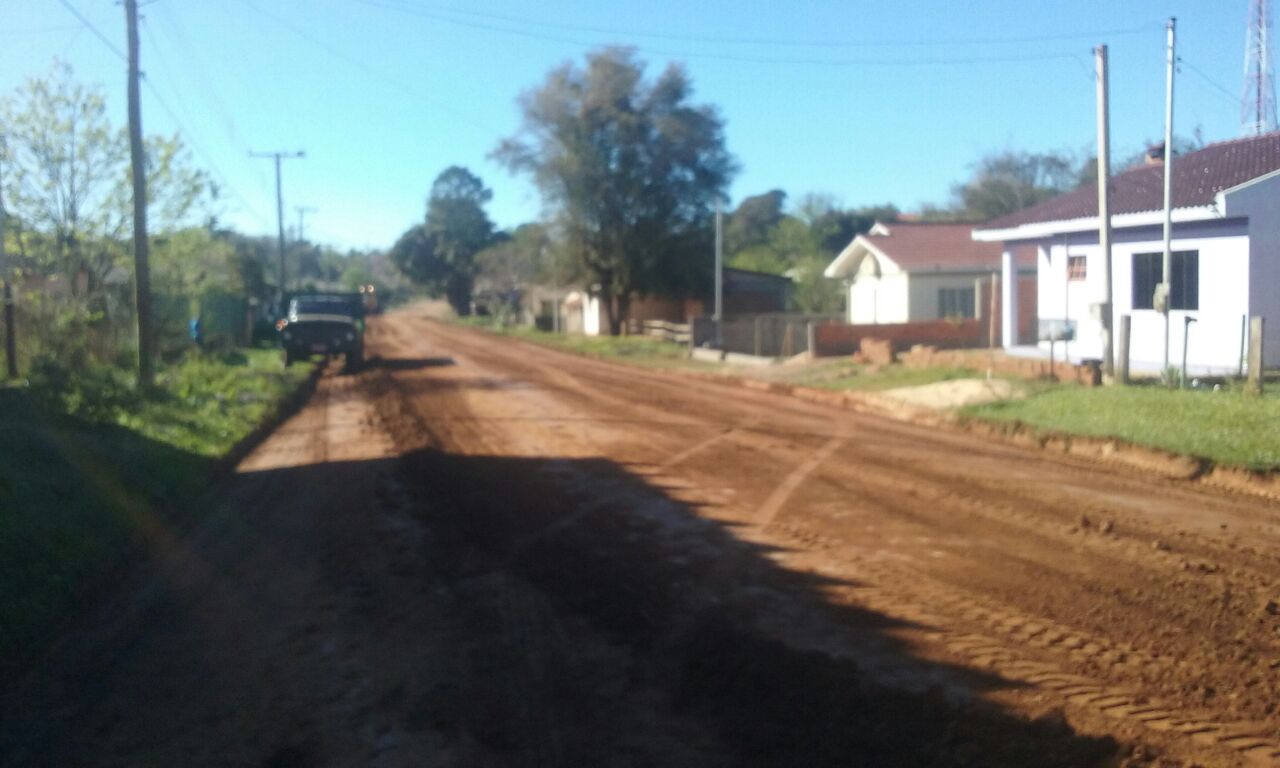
[(810, 340), (1244, 345), (1255, 354), (1122, 350), (993, 310)]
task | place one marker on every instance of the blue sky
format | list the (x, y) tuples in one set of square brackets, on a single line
[(870, 102)]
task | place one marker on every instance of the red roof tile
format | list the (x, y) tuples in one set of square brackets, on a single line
[(1197, 178), (917, 246)]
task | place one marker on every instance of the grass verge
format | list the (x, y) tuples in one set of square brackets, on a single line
[(1226, 427), (639, 350), (92, 473)]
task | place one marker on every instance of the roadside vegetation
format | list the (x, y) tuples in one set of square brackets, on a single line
[(638, 350), (95, 470), (1227, 427)]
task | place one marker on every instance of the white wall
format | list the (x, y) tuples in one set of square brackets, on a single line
[(878, 293), (924, 287), (1214, 344), (591, 311), (1260, 201)]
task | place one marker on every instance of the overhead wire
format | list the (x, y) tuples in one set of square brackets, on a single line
[(730, 57), (206, 87), (782, 42), (182, 129), (382, 76)]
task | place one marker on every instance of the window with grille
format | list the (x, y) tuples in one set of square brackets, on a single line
[(955, 303), (1076, 268), (1148, 270)]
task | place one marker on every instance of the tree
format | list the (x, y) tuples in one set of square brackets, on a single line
[(752, 221), (630, 170), (459, 229), (1008, 181), (525, 257), (70, 177)]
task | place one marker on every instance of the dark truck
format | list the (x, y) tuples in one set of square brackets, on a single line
[(324, 324)]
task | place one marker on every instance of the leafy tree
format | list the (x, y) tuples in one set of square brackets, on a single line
[(630, 169), (527, 256), (69, 177), (1008, 181), (751, 222)]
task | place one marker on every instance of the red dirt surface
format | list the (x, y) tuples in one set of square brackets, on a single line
[(482, 552)]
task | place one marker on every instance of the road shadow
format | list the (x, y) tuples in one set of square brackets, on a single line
[(378, 362), (540, 611)]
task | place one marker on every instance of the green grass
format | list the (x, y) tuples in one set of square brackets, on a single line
[(845, 375), (640, 350), (1227, 427), (80, 493)]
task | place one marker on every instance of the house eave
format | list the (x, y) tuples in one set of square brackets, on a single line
[(1041, 229)]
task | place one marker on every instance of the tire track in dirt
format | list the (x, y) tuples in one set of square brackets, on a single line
[(1021, 645)]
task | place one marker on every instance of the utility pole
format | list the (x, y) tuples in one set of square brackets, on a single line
[(10, 338), (1104, 208), (1166, 285), (302, 210), (278, 156), (141, 265), (719, 315)]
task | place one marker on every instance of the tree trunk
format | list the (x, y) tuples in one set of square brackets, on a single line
[(624, 311), (610, 303)]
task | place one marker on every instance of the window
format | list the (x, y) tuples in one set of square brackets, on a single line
[(1076, 268), (955, 302), (1148, 269)]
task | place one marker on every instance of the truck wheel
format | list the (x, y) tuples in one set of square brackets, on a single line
[(355, 359)]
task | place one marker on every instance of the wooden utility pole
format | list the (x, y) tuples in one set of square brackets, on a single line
[(719, 316), (278, 156), (1104, 208), (10, 337), (141, 265)]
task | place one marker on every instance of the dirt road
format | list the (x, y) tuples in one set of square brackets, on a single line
[(481, 552)]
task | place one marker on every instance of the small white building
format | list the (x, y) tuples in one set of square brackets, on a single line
[(903, 272), (1226, 255)]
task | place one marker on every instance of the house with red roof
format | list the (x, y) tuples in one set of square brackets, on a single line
[(911, 271), (1225, 244)]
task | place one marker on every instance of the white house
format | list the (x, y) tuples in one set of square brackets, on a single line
[(1226, 255), (900, 272)]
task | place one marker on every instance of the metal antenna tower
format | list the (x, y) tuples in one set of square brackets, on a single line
[(1258, 104)]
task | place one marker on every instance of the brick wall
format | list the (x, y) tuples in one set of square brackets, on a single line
[(834, 339)]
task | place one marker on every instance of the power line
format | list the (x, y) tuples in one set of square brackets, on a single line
[(736, 58), (1208, 80), (182, 130), (789, 42), (367, 69), (97, 33), (206, 86)]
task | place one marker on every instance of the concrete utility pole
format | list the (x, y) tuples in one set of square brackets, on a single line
[(138, 161), (302, 210), (10, 334), (1167, 264), (1104, 208), (278, 156), (719, 315)]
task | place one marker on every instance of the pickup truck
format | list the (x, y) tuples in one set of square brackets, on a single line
[(324, 324)]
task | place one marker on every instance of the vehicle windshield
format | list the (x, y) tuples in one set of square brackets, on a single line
[(321, 305)]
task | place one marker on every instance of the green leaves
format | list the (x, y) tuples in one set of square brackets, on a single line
[(630, 170)]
